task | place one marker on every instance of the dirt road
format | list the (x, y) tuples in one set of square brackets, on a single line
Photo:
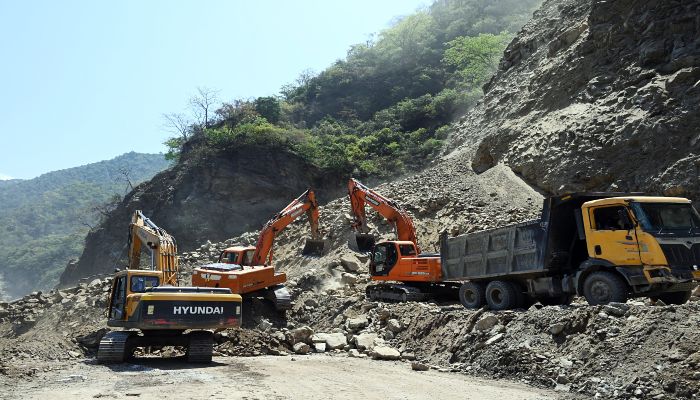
[(307, 377)]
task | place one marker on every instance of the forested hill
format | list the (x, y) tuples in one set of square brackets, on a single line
[(43, 221), (385, 108)]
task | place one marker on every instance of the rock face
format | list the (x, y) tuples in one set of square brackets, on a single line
[(216, 198), (597, 95)]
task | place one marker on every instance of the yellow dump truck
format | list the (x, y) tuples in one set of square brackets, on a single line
[(607, 247)]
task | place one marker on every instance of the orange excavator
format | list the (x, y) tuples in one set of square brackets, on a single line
[(418, 275), (248, 270)]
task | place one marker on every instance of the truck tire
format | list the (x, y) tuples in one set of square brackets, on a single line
[(604, 287), (501, 295), (675, 297), (472, 295)]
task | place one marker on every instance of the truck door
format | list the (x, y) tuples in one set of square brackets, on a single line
[(610, 236)]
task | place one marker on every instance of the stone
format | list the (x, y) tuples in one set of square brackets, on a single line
[(357, 323), (348, 279), (556, 329), (394, 325), (311, 303), (354, 353), (494, 339), (614, 310), (418, 366), (320, 347), (336, 340), (385, 353), (302, 334), (301, 348), (350, 263), (365, 341), (408, 355), (485, 323)]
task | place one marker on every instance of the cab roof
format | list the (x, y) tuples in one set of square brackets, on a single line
[(236, 249), (640, 199)]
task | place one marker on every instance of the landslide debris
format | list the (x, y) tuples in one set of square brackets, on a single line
[(596, 95)]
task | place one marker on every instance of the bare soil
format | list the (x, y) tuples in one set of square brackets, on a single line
[(267, 377)]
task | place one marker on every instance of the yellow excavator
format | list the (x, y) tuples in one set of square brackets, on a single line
[(155, 310)]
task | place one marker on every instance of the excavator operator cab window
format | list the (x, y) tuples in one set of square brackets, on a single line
[(116, 309), (230, 258), (140, 284), (407, 250), (248, 257)]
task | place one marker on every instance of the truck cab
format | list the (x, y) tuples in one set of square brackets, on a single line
[(653, 243)]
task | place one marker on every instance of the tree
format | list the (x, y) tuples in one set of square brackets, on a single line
[(178, 124), (269, 108), (202, 102), (475, 58)]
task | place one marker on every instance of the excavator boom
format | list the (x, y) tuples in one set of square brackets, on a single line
[(387, 208), (162, 246), (306, 203)]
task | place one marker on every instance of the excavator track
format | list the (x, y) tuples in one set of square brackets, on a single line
[(114, 347), (280, 297), (200, 347), (396, 292)]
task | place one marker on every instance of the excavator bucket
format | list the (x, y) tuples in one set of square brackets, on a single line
[(361, 242), (314, 248)]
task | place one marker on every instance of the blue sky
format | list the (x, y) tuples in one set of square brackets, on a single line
[(84, 81)]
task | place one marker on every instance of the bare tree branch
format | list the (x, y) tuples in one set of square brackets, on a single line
[(179, 124), (202, 103)]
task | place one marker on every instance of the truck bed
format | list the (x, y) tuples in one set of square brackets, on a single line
[(510, 250)]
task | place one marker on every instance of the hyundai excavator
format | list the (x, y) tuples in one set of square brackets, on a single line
[(248, 270), (418, 275), (155, 310)]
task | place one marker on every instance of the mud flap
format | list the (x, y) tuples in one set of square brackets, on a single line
[(315, 248), (361, 242)]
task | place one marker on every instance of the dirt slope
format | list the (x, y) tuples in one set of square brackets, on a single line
[(597, 95)]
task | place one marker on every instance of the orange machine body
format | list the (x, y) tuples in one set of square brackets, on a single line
[(400, 260), (246, 269)]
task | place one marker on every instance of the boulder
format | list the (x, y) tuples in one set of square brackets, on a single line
[(350, 263), (385, 353), (485, 323), (302, 334), (357, 323), (394, 325), (336, 341), (301, 348), (418, 366), (348, 279), (365, 341), (320, 347)]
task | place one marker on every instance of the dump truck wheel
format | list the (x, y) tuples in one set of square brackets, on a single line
[(675, 297), (501, 295), (472, 295), (604, 287)]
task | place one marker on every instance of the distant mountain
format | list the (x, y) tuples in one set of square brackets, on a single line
[(43, 221)]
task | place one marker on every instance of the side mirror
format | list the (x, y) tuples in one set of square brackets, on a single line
[(625, 219)]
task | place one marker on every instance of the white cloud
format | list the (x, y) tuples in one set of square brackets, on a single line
[(4, 177)]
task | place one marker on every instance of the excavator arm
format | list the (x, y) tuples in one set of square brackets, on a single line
[(162, 246), (387, 208), (306, 203)]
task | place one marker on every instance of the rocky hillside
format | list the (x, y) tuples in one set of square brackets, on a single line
[(597, 95), (215, 197), (44, 220)]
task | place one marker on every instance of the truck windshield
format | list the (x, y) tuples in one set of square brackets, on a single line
[(658, 217)]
